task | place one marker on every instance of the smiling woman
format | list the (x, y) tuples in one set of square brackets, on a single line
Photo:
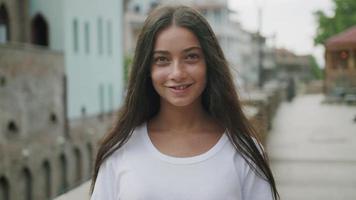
[(178, 71), (181, 133)]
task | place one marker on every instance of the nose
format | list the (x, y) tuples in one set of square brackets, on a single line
[(178, 72)]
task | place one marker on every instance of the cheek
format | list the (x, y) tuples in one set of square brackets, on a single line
[(158, 76), (202, 75)]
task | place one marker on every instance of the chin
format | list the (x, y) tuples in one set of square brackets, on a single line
[(180, 102)]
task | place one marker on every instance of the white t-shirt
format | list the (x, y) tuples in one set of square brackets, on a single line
[(139, 171)]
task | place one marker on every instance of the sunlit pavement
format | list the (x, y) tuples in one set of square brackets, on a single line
[(312, 147)]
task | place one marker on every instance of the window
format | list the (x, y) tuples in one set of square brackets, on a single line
[(90, 158), (12, 127), (87, 37), (2, 81), (4, 24), (63, 181), (111, 97), (4, 189), (46, 180), (101, 99), (137, 9), (75, 36), (109, 35), (78, 165), (26, 181), (100, 36), (40, 31), (83, 110), (53, 118)]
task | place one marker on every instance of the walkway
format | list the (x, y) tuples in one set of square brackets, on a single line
[(312, 147)]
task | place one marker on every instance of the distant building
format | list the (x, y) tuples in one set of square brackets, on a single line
[(90, 39), (56, 60), (289, 65), (340, 56), (136, 12), (239, 46)]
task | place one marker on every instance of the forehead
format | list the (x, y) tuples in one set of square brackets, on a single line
[(175, 39)]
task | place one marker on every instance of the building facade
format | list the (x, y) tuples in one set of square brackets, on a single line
[(340, 56), (239, 46), (91, 40), (56, 60)]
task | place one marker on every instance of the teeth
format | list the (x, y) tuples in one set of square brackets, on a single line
[(182, 87)]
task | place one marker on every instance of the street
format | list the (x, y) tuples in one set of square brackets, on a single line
[(312, 150)]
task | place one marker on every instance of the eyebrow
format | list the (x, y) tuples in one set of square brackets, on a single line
[(185, 50)]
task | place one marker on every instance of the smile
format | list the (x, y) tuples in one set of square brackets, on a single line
[(180, 87)]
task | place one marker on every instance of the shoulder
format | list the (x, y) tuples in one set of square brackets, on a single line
[(242, 163), (254, 186), (131, 145)]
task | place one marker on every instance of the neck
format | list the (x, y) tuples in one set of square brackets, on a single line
[(172, 117)]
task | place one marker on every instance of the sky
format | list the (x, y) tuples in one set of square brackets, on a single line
[(291, 21)]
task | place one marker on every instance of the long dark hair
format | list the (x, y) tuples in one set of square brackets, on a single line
[(219, 98)]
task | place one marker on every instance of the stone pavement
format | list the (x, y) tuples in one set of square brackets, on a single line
[(312, 148)]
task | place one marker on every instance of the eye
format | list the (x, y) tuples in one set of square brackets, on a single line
[(192, 57), (161, 60)]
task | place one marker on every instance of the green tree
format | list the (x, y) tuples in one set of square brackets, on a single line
[(127, 67), (344, 16), (315, 69)]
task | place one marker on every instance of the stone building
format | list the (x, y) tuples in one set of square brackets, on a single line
[(58, 73), (292, 66), (90, 39), (340, 56)]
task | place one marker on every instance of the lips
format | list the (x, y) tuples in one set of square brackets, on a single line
[(180, 88)]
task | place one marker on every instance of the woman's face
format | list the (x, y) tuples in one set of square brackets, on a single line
[(178, 69)]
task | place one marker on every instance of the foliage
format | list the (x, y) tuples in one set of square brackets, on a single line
[(127, 66), (316, 71), (344, 17)]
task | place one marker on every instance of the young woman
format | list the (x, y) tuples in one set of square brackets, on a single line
[(181, 133)]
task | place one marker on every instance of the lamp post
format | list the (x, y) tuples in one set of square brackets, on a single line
[(259, 43), (260, 49)]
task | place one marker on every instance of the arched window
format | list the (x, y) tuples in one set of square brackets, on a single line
[(12, 127), (4, 24), (46, 180), (78, 165), (90, 158), (25, 184), (40, 31), (4, 189), (63, 174), (53, 118)]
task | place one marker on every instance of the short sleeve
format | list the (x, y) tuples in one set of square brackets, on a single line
[(255, 187), (105, 186)]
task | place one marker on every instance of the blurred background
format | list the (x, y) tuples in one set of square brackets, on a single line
[(64, 68)]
